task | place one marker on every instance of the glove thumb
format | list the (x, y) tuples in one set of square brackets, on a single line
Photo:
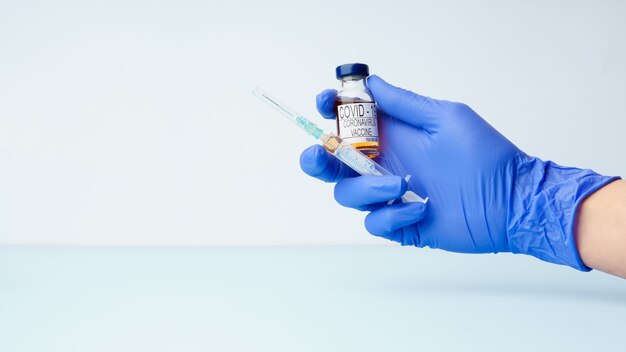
[(402, 104)]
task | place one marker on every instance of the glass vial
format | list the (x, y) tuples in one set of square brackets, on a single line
[(355, 109)]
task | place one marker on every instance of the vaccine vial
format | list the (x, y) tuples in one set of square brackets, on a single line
[(355, 109)]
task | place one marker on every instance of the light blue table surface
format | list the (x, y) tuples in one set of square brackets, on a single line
[(301, 299)]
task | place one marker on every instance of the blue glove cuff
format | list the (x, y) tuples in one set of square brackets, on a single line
[(544, 201)]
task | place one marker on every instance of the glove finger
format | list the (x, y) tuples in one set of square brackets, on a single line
[(357, 192), (414, 109), (371, 207), (317, 162), (385, 221), (325, 102)]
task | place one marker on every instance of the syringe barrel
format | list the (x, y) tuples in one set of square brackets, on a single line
[(358, 161), (362, 164)]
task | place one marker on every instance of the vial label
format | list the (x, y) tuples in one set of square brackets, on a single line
[(357, 122)]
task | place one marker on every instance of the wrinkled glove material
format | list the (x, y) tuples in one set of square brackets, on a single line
[(545, 199)]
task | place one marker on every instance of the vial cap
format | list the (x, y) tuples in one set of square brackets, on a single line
[(355, 69)]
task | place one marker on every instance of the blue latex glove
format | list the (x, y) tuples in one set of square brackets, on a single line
[(486, 195)]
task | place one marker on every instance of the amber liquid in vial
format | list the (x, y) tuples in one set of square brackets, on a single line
[(368, 148)]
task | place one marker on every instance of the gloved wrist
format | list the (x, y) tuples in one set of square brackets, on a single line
[(544, 201)]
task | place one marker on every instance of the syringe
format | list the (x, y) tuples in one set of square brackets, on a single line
[(342, 150)]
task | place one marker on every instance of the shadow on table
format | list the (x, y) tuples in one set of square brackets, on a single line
[(537, 290)]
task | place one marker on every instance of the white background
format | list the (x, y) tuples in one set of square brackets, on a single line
[(132, 122)]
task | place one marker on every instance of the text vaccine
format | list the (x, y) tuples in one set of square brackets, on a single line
[(357, 121)]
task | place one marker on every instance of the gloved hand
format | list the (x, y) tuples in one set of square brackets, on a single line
[(485, 194)]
